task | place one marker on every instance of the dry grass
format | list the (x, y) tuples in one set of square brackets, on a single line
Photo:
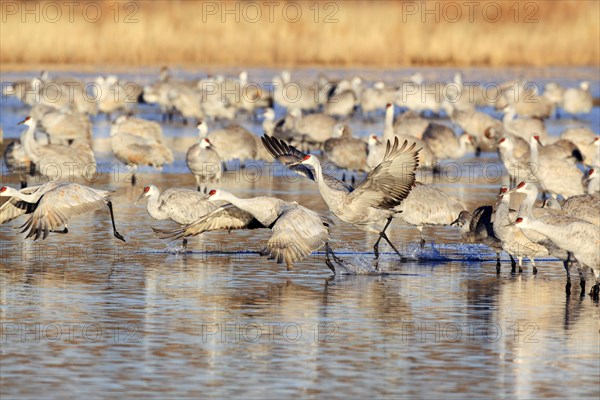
[(381, 34)]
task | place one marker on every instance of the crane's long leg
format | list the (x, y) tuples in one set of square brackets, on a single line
[(327, 260), (387, 239), (534, 267), (595, 292), (335, 258), (568, 269), (520, 264), (133, 179), (581, 280), (514, 264), (498, 265), (422, 242), (383, 235), (185, 242), (112, 219)]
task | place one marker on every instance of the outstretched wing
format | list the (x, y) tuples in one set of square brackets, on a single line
[(296, 234), (56, 206), (225, 217), (13, 207), (391, 181), (290, 157)]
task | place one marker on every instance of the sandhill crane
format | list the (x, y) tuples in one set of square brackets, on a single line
[(139, 127), (593, 181), (182, 206), (369, 206), (17, 160), (563, 148), (443, 142), (522, 127), (346, 151), (580, 238), (52, 205), (515, 145), (113, 95), (578, 100), (243, 96), (426, 157), (159, 93), (428, 206), (525, 100), (297, 231), (419, 96), (204, 162), (583, 137), (479, 228), (376, 98), (514, 154), (188, 101), (476, 123), (285, 129), (408, 123), (63, 126), (231, 143), (455, 95), (57, 161), (585, 207), (342, 103), (554, 92), (376, 151), (57, 93), (317, 127), (268, 123), (514, 241), (139, 147), (548, 215), (290, 95), (556, 176)]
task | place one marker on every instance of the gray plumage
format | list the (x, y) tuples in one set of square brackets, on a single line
[(204, 162), (297, 231), (51, 206)]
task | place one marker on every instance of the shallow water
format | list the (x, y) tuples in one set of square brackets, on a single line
[(85, 315)]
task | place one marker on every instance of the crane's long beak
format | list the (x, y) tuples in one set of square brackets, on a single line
[(139, 198)]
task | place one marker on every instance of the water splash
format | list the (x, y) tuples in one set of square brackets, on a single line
[(358, 266), (175, 248), (417, 253)]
